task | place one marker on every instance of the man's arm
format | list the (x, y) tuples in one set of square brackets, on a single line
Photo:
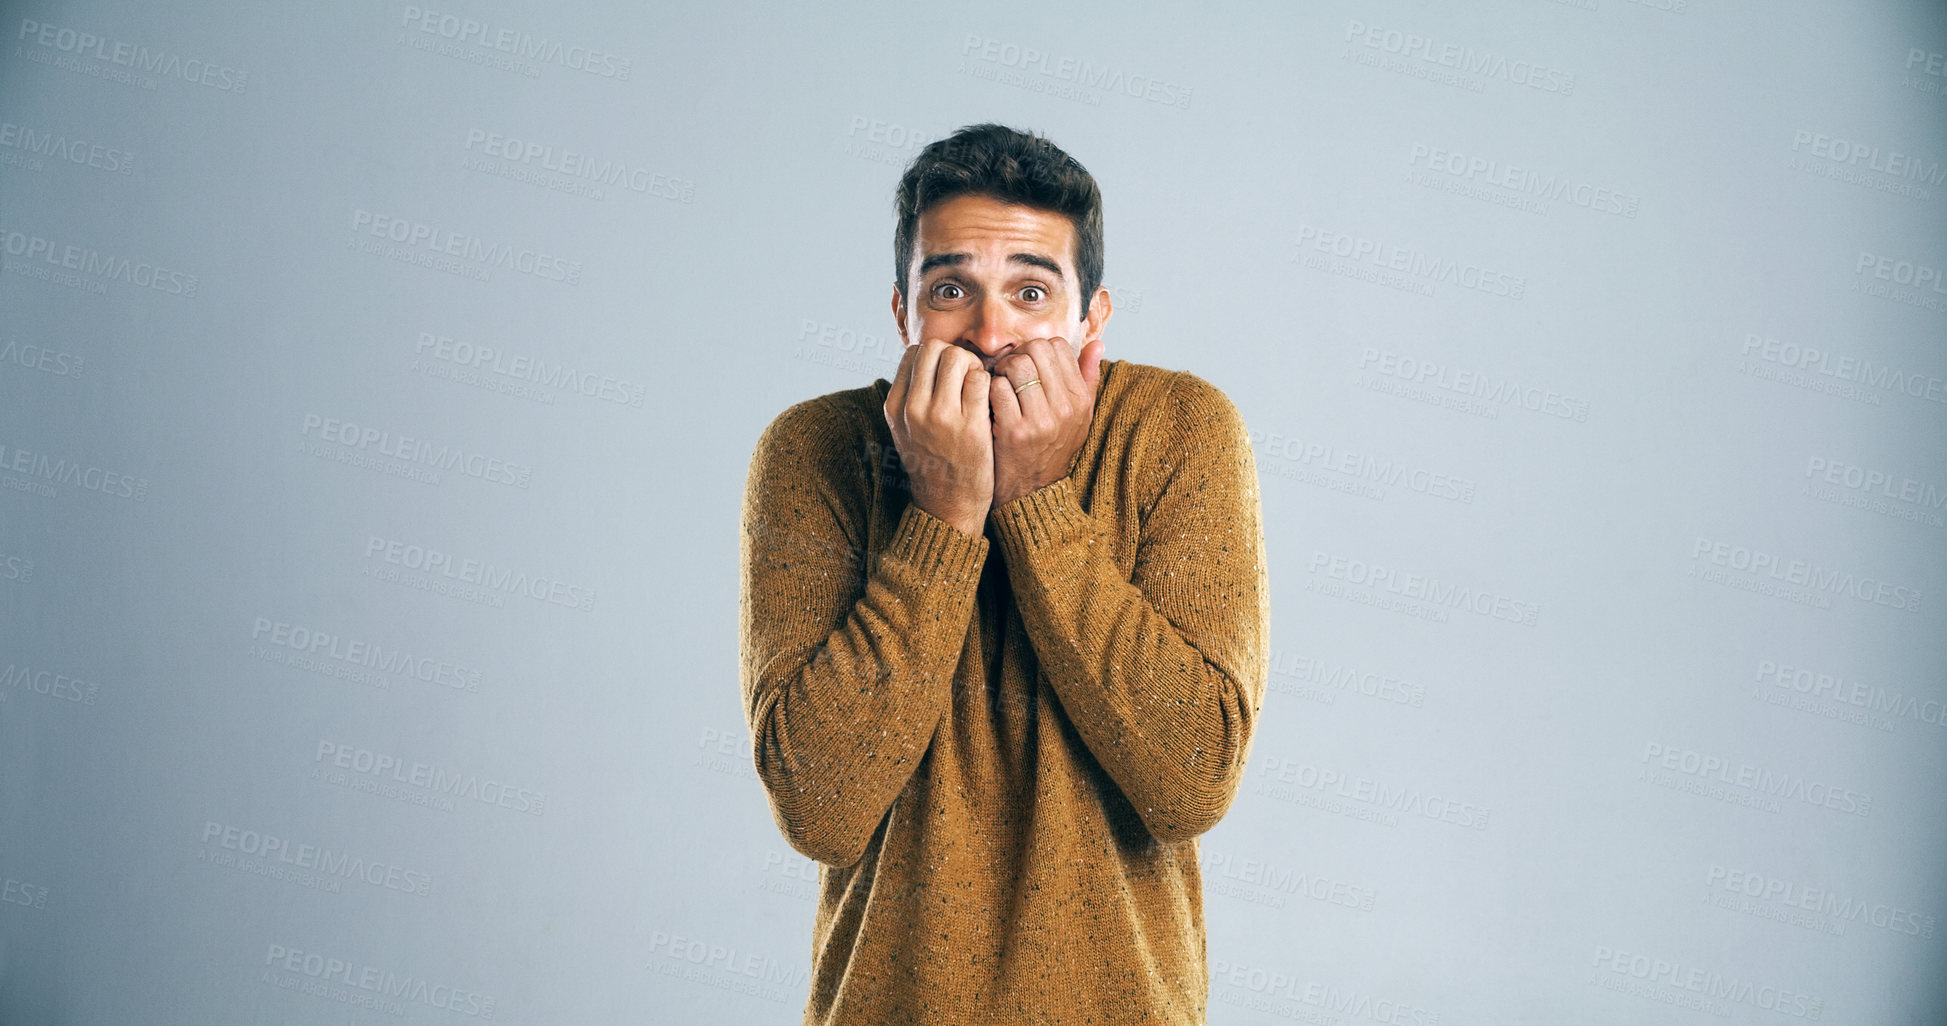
[(1163, 672), (847, 657)]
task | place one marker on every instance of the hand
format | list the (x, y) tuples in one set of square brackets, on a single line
[(1038, 431), (938, 411)]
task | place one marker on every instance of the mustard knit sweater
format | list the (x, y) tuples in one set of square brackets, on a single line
[(1001, 749)]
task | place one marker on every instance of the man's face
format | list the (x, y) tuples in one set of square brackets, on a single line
[(988, 276)]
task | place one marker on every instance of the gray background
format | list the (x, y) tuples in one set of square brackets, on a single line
[(1635, 325)]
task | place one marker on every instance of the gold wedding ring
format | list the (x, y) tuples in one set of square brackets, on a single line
[(1024, 385)]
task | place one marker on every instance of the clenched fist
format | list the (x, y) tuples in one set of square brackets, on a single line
[(939, 412), (1038, 430)]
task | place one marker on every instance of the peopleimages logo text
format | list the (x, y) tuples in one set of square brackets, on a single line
[(1074, 69), (1808, 575), (80, 43), (1464, 59)]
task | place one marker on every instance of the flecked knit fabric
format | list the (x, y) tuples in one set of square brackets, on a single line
[(1002, 749)]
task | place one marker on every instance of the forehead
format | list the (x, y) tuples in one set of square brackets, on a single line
[(989, 229)]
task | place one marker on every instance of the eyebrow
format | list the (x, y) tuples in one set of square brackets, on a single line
[(956, 259)]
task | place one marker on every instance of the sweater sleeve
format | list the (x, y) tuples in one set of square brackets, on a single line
[(846, 657), (1162, 672)]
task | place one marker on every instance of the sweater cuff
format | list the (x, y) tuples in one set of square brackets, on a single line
[(938, 549), (1047, 515)]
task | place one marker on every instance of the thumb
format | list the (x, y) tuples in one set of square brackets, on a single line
[(1092, 363)]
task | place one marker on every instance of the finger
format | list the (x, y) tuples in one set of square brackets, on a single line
[(1014, 365), (1066, 366), (901, 381), (1091, 365), (1077, 381), (974, 392), (1077, 371), (1005, 405), (1011, 371), (925, 370), (957, 369), (1036, 405), (950, 376)]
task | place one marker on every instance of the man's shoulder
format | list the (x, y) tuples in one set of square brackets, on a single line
[(829, 437), (1129, 376), (1162, 399), (839, 413)]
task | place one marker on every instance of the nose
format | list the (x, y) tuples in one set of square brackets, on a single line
[(991, 332)]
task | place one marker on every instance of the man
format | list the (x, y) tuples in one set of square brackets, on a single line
[(1004, 627)]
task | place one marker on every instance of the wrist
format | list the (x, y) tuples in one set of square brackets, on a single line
[(966, 521), (1002, 499)]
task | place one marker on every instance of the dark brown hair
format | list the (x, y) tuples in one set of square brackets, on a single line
[(1011, 166)]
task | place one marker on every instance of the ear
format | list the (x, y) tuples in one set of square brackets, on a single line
[(1099, 309), (899, 314), (1090, 353)]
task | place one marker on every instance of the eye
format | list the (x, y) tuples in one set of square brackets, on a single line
[(937, 290), (1039, 293)]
